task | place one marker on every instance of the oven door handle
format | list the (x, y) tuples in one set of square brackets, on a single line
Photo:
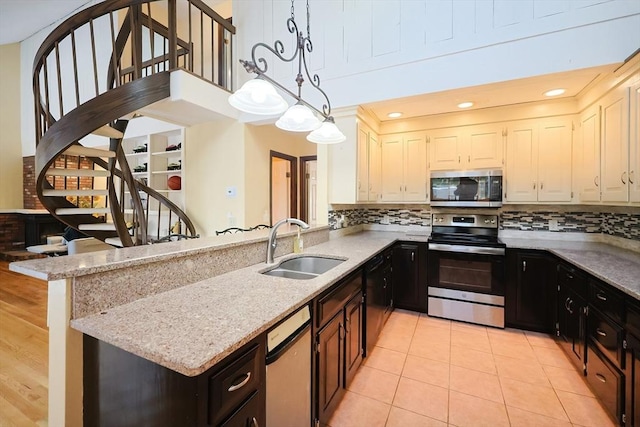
[(443, 247)]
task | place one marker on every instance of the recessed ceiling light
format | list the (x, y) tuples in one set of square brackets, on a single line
[(465, 105), (394, 115), (554, 92)]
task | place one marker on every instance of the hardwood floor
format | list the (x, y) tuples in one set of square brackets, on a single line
[(23, 349)]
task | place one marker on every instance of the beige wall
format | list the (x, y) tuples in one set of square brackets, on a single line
[(214, 155), (10, 136), (259, 141)]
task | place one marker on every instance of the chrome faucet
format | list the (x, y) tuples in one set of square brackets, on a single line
[(271, 246)]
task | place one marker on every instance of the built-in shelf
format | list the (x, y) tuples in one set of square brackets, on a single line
[(174, 153), (173, 172), (136, 155)]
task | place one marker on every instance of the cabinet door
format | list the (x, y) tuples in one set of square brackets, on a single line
[(571, 324), (362, 193), (554, 160), (529, 292), (634, 144), (444, 149), (375, 165), (330, 367), (589, 157), (406, 282), (615, 146), (415, 168), (353, 337), (391, 170), (522, 162), (484, 147), (632, 373), (250, 414)]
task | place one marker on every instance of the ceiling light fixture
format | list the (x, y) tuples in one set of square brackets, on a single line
[(554, 92), (259, 96), (467, 104), (394, 115)]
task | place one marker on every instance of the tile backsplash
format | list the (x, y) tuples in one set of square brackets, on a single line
[(625, 222)]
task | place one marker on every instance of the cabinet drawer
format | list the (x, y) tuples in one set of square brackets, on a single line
[(247, 415), (607, 335), (572, 278), (606, 382), (336, 298), (607, 300), (235, 383)]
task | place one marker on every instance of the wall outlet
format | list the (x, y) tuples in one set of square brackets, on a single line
[(385, 220), (553, 225)]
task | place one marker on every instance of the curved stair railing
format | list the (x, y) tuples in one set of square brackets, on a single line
[(91, 76)]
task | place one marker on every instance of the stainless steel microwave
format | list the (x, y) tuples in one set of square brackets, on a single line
[(472, 188)]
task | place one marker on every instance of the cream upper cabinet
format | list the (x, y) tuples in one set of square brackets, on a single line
[(470, 147), (615, 146), (554, 160), (539, 161), (404, 168), (588, 160), (521, 181), (634, 144), (368, 165)]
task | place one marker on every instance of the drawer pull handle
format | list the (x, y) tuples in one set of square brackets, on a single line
[(254, 422), (601, 297), (241, 383), (570, 277), (601, 378), (566, 303), (524, 266), (569, 307), (601, 332)]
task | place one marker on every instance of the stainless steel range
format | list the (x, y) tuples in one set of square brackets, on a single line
[(466, 269)]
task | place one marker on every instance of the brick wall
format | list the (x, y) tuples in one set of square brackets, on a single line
[(29, 196), (11, 231)]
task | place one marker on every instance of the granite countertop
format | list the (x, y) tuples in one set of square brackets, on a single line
[(618, 267), (191, 328)]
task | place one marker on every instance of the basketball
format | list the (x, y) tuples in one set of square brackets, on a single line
[(174, 182)]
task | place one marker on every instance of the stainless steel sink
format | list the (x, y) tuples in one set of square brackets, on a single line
[(304, 268)]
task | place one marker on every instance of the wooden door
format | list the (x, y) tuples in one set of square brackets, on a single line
[(444, 146), (406, 292), (484, 147), (353, 337)]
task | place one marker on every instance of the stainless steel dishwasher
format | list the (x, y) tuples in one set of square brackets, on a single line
[(288, 363)]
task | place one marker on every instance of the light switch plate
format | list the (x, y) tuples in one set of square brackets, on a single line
[(553, 225)]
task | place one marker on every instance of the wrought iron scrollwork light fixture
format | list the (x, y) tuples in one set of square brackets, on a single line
[(259, 96)]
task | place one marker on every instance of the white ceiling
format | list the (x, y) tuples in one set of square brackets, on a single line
[(20, 19), (492, 95)]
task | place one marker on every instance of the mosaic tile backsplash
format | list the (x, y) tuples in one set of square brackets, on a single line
[(626, 225)]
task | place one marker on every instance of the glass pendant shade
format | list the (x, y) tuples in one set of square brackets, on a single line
[(328, 133), (258, 97), (298, 118)]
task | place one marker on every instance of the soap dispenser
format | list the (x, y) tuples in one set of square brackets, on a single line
[(298, 244)]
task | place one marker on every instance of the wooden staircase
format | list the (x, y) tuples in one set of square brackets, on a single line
[(87, 187)]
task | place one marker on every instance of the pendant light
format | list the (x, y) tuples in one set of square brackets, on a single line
[(259, 96)]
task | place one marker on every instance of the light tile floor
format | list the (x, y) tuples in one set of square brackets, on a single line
[(426, 371)]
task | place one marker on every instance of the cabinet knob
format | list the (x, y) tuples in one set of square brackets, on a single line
[(524, 265), (542, 185), (413, 255), (534, 185)]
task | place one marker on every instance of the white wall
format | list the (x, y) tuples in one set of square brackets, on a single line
[(11, 158), (372, 50)]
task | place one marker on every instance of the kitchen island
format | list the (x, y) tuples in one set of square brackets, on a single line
[(189, 326)]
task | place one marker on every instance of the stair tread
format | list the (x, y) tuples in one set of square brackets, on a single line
[(108, 131), (114, 241), (82, 211), (73, 192), (99, 226), (79, 150), (77, 172)]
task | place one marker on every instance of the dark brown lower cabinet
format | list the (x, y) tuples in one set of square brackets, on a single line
[(607, 382), (632, 371), (121, 389), (530, 291), (409, 276), (330, 367), (353, 342)]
